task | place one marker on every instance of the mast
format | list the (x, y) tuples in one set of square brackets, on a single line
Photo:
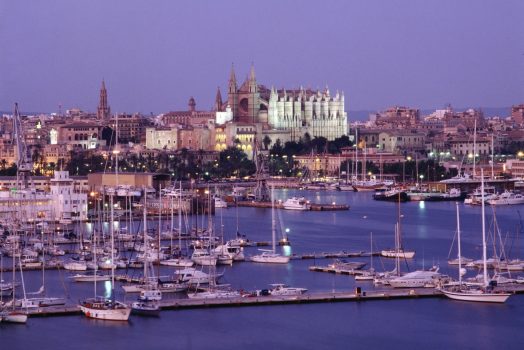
[(111, 230), (484, 263), (144, 212), (459, 248), (474, 148), (273, 228), (492, 158), (180, 219)]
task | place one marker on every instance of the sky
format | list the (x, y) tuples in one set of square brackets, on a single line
[(155, 54)]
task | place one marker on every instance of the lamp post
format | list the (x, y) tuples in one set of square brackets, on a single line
[(408, 158)]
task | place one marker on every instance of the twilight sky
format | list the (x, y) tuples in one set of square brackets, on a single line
[(154, 55)]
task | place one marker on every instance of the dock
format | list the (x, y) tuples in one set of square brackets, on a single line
[(358, 295)]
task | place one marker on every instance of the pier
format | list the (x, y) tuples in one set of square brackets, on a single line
[(358, 295)]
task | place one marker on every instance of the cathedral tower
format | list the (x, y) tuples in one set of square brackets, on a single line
[(232, 92), (103, 112)]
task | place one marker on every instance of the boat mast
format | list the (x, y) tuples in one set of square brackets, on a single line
[(273, 233), (483, 230), (180, 219), (144, 212), (111, 230), (474, 148), (459, 248), (492, 158)]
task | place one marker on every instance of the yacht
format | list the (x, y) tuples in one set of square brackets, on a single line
[(194, 276), (203, 257), (145, 308), (400, 253), (367, 185), (270, 257), (217, 292), (219, 202), (417, 279), (76, 265), (279, 289), (476, 196), (90, 277), (178, 262), (507, 198), (295, 203)]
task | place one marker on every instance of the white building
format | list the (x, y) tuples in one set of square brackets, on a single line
[(62, 204)]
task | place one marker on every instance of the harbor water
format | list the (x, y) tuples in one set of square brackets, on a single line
[(435, 323)]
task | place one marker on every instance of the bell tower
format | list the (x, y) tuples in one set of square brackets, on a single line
[(232, 93)]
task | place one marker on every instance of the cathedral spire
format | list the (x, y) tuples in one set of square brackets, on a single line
[(232, 79), (218, 101), (252, 73), (103, 111)]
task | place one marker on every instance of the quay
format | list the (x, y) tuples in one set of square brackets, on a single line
[(357, 295), (321, 297)]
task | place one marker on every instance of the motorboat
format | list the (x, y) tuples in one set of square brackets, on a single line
[(152, 294), (194, 276), (476, 196), (507, 198), (296, 203), (400, 253), (367, 185), (76, 265), (270, 257), (178, 262), (90, 277), (391, 195), (203, 257), (279, 289), (219, 202), (346, 265), (417, 279), (215, 292), (144, 308)]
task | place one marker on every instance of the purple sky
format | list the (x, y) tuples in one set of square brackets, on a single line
[(155, 54)]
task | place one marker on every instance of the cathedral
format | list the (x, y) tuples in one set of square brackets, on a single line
[(297, 111)]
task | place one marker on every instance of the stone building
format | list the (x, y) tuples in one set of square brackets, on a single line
[(517, 113), (298, 111)]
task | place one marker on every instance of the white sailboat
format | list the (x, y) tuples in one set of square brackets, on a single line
[(102, 308), (399, 251), (484, 293), (270, 256)]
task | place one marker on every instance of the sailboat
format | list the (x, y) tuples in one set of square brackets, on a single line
[(11, 315), (40, 301), (102, 308), (180, 260), (463, 292), (270, 256), (368, 275), (399, 251)]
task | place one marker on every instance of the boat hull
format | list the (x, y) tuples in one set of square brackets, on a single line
[(109, 315), (477, 297)]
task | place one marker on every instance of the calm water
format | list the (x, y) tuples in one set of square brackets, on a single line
[(429, 323)]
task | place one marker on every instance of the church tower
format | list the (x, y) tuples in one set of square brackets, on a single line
[(232, 93), (254, 97), (218, 101), (103, 112)]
